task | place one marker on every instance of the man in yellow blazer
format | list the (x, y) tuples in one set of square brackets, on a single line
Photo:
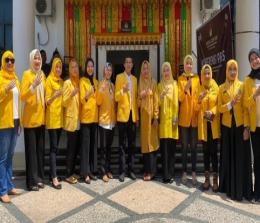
[(127, 116)]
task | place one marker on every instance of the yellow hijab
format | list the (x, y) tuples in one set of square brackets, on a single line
[(186, 58), (207, 83), (232, 86), (145, 84), (74, 80), (167, 85), (55, 80), (10, 75)]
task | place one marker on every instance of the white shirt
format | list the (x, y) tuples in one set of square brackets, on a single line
[(257, 83), (15, 103)]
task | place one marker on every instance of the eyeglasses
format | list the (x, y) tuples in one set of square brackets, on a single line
[(7, 60)]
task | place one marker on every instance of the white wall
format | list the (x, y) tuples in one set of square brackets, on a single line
[(55, 26), (195, 23)]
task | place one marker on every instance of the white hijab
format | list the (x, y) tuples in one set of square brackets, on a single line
[(39, 88)]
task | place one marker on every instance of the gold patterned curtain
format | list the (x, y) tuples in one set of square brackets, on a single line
[(85, 18)]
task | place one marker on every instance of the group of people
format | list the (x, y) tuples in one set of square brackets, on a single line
[(190, 108)]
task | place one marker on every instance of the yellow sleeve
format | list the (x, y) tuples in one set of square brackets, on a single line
[(26, 93), (3, 93), (222, 108), (181, 92), (118, 90), (155, 103), (175, 101), (48, 91), (248, 100), (213, 98), (66, 95), (99, 97), (83, 91)]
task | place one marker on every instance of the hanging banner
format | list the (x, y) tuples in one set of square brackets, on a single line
[(214, 44)]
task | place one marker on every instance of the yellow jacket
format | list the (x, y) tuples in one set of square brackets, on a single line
[(54, 111), (123, 99), (209, 103), (250, 103), (71, 107), (168, 107), (187, 115), (34, 109), (6, 104), (227, 92), (89, 108), (107, 106)]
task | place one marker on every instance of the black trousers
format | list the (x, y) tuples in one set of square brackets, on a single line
[(189, 136), (54, 135), (168, 148), (255, 137), (34, 140), (126, 130), (106, 140), (210, 151), (73, 144), (150, 162), (88, 151)]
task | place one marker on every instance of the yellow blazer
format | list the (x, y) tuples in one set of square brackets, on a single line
[(6, 104), (209, 103), (71, 107), (250, 103), (123, 99), (54, 111), (169, 107), (188, 116), (34, 111), (224, 98), (89, 108), (107, 106)]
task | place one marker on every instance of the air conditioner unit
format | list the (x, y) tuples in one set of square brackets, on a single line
[(43, 7), (208, 8)]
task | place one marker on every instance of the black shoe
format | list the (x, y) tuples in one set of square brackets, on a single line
[(34, 188), (57, 187), (171, 181), (166, 181), (41, 185), (93, 177), (132, 175), (121, 177)]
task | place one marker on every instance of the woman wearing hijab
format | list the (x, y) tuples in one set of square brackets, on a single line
[(88, 119), (188, 85), (71, 104), (208, 125), (252, 104), (54, 115), (32, 93), (168, 127), (234, 150), (107, 120), (148, 103), (10, 123)]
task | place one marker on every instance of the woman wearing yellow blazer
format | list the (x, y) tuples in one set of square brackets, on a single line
[(208, 124), (252, 104), (54, 115), (168, 127), (10, 123), (148, 103), (233, 163), (188, 85), (71, 123), (107, 120), (32, 93), (88, 119)]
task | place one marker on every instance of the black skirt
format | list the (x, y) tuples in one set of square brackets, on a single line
[(235, 173)]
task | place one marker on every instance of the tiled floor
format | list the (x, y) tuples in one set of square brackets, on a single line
[(131, 201)]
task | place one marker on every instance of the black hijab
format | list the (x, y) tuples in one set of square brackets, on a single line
[(90, 77), (254, 74)]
